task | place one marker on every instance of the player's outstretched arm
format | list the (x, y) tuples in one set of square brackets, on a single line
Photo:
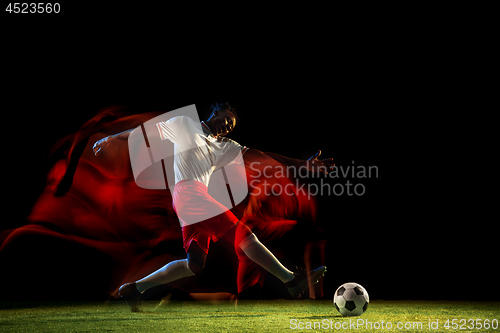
[(100, 145), (312, 164)]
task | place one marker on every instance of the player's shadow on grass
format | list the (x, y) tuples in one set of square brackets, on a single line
[(323, 317), (144, 312)]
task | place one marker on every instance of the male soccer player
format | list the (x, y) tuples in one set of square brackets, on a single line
[(199, 151)]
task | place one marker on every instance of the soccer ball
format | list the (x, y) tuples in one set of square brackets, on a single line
[(351, 299)]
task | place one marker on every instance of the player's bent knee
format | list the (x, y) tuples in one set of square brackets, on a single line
[(196, 263), (196, 258), (196, 268)]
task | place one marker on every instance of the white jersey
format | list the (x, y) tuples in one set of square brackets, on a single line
[(198, 153)]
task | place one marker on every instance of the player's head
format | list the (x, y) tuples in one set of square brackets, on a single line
[(223, 119)]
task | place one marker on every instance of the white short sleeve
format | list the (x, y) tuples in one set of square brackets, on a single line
[(170, 129)]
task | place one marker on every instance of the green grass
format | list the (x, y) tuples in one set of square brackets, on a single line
[(241, 316)]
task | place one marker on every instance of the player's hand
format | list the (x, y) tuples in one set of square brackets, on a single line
[(322, 166), (100, 145)]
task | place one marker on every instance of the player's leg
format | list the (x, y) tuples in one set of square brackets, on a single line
[(196, 257), (257, 252), (196, 245), (246, 240), (251, 276), (196, 242), (172, 271), (175, 270)]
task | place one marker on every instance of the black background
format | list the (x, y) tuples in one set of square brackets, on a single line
[(361, 91)]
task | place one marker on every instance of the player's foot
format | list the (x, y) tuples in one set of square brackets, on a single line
[(300, 283), (130, 293)]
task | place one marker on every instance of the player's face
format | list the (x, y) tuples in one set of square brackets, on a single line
[(224, 122)]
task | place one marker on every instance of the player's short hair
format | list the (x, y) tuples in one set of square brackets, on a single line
[(223, 106)]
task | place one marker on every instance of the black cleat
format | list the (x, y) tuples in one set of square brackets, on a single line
[(130, 293), (300, 283)]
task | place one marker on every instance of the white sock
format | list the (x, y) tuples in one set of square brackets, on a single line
[(170, 272), (258, 253)]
